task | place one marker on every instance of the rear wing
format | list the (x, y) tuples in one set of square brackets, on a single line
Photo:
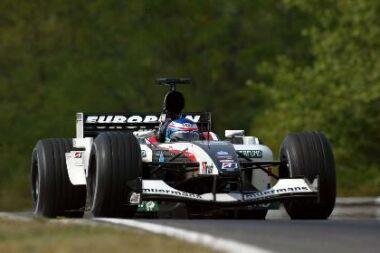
[(91, 124)]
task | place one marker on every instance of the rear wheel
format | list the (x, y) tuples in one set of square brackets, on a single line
[(52, 192), (115, 166), (309, 155)]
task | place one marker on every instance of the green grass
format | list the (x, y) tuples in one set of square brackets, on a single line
[(364, 181), (41, 236)]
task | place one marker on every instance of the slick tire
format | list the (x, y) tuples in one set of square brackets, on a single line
[(309, 155), (115, 162), (52, 192)]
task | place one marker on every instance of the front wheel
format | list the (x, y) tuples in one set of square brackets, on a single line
[(309, 155)]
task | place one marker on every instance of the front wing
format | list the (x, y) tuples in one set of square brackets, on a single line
[(282, 190)]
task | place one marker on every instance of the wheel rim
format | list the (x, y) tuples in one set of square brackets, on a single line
[(92, 181), (35, 184)]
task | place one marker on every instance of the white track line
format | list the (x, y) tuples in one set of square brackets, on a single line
[(14, 216), (217, 243)]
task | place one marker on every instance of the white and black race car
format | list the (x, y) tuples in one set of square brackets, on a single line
[(119, 165)]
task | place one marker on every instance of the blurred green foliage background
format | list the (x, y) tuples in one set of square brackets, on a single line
[(268, 66)]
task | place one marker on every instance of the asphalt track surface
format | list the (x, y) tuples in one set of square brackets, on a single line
[(354, 235), (277, 234)]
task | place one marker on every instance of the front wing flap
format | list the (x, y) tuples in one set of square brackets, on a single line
[(282, 190)]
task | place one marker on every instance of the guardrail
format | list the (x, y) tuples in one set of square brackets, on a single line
[(358, 201), (357, 207), (348, 207)]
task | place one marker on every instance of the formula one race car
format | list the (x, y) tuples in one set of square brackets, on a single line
[(131, 164)]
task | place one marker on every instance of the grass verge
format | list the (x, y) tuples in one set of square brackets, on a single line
[(44, 237)]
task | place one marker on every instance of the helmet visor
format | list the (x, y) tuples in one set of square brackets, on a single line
[(184, 136)]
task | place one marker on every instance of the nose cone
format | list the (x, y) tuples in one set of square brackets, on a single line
[(223, 155)]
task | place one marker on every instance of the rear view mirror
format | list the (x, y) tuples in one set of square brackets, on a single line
[(233, 133)]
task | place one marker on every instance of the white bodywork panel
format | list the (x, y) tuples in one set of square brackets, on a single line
[(79, 125), (260, 179), (233, 133), (77, 161), (146, 153), (75, 167), (282, 187), (144, 134)]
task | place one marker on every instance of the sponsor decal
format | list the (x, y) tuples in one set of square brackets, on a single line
[(148, 206), (218, 143), (206, 169), (168, 192), (135, 198), (187, 125), (251, 153), (229, 166), (203, 167), (78, 154), (223, 158), (120, 119), (270, 193), (222, 153), (143, 153), (227, 161), (161, 159), (262, 205)]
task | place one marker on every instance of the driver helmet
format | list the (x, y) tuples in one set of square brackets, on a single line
[(182, 130)]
